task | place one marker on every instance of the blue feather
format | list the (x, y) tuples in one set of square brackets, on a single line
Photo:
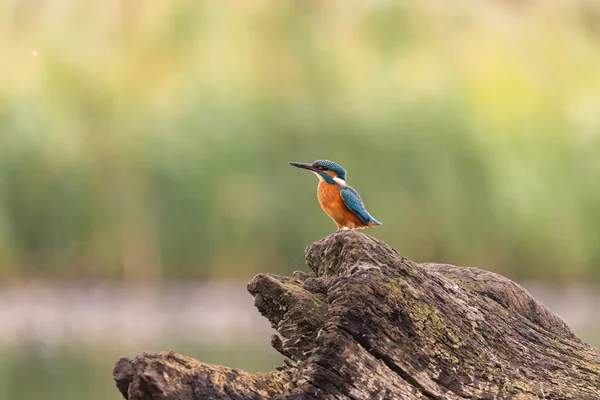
[(354, 203)]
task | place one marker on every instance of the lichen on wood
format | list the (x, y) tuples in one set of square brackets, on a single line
[(367, 323)]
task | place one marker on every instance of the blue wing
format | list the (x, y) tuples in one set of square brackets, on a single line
[(353, 201)]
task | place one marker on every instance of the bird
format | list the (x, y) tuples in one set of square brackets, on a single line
[(339, 201)]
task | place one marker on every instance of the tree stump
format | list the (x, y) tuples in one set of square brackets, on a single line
[(368, 323)]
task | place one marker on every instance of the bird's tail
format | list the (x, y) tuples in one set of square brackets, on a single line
[(374, 222)]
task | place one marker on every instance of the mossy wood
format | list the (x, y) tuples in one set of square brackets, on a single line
[(368, 323)]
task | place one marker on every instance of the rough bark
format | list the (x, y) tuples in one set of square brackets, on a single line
[(368, 323)]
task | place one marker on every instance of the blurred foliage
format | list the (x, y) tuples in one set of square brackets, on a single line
[(149, 140)]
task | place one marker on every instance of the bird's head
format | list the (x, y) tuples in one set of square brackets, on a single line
[(326, 170)]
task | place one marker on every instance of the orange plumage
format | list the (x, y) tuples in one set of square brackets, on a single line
[(331, 202)]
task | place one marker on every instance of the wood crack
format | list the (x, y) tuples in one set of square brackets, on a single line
[(391, 365)]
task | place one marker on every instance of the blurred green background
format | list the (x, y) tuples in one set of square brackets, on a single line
[(146, 143)]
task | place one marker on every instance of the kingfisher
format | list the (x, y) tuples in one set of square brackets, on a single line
[(338, 200)]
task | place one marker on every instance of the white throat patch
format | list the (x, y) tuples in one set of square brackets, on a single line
[(339, 181)]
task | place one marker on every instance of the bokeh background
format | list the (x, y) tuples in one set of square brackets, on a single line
[(144, 176)]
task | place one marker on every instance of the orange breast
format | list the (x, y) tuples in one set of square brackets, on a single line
[(331, 202)]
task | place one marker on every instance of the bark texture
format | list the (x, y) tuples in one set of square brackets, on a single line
[(368, 323)]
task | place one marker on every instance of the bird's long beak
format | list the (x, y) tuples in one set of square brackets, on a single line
[(303, 165)]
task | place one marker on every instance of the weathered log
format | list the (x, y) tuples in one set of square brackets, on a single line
[(368, 323)]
